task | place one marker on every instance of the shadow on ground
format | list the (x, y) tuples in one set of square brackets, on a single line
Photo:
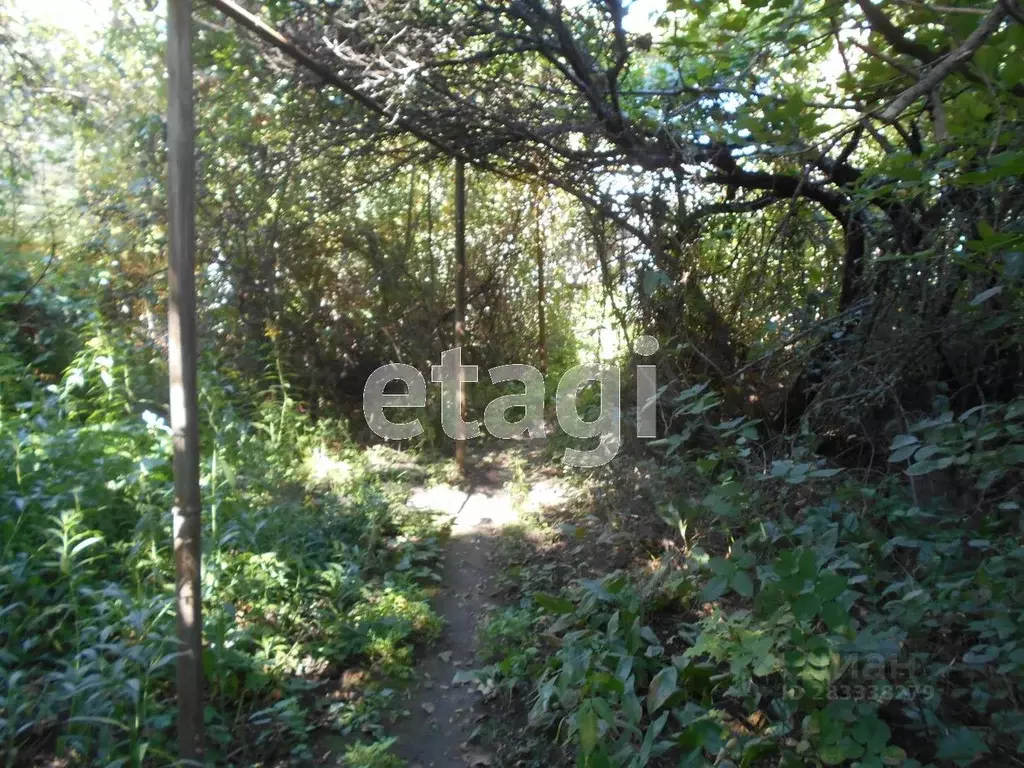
[(444, 727)]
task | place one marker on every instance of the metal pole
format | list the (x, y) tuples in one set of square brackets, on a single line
[(181, 333)]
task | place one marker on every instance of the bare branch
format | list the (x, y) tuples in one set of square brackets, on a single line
[(947, 64), (880, 23), (1014, 10), (286, 46)]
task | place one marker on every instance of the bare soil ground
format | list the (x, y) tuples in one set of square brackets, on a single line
[(445, 726)]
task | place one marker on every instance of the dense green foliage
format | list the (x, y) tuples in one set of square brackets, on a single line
[(310, 564), (814, 206), (801, 615)]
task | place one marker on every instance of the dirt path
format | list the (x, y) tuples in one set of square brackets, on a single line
[(440, 730), (443, 726)]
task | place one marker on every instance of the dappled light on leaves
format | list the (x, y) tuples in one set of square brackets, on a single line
[(771, 518)]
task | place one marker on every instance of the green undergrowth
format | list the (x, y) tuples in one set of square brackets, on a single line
[(312, 567), (798, 615)]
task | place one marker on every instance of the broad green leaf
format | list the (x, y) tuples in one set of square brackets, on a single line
[(553, 604), (613, 625), (962, 745), (834, 616), (652, 734), (904, 453), (631, 706), (604, 711), (742, 583), (85, 544), (720, 566), (901, 441), (824, 473), (806, 606), (830, 586), (926, 452), (714, 589), (662, 686), (765, 666), (832, 754), (928, 465), (587, 719)]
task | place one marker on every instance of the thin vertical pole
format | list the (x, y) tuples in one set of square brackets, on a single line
[(181, 332), (460, 303), (542, 339)]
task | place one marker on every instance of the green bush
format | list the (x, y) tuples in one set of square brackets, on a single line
[(304, 573), (815, 619)]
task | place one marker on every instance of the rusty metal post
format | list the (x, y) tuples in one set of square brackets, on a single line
[(182, 356)]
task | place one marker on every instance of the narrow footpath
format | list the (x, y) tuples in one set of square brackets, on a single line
[(445, 723)]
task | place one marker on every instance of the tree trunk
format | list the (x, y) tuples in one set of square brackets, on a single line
[(460, 303), (542, 341), (409, 218)]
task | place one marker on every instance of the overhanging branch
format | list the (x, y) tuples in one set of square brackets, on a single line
[(270, 35), (989, 25)]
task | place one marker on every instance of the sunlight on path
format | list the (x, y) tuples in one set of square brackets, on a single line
[(486, 504), (444, 725), (546, 493), (481, 507)]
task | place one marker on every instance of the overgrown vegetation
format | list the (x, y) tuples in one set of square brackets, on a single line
[(312, 566), (800, 614), (814, 207)]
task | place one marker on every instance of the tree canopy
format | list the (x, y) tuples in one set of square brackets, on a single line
[(814, 207)]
